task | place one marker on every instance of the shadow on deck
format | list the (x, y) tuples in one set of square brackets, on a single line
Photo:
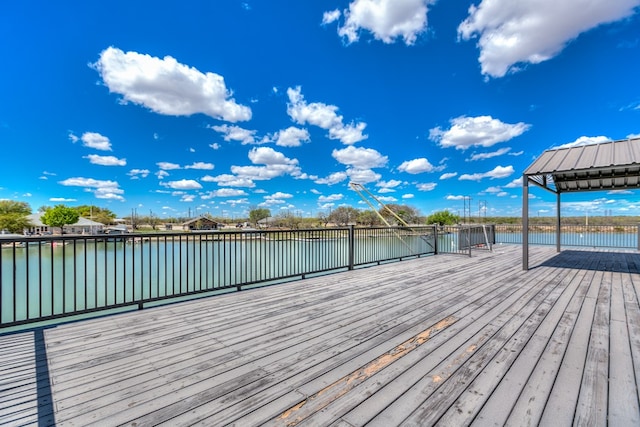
[(620, 262)]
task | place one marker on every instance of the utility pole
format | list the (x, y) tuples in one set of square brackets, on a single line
[(482, 208), (464, 206)]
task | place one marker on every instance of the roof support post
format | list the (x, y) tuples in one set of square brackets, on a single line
[(525, 222), (558, 229)]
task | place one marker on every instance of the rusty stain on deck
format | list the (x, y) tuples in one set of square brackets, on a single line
[(339, 388)]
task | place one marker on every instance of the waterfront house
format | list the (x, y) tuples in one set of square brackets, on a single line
[(82, 226), (201, 223), (267, 222)]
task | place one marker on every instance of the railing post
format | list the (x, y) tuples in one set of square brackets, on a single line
[(435, 239), (638, 232), (352, 245), (469, 239)]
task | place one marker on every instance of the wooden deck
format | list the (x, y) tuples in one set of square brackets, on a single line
[(446, 340)]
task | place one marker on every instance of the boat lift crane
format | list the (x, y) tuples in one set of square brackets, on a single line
[(361, 190), (363, 193)]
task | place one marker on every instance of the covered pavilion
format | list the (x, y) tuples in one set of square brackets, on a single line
[(612, 165)]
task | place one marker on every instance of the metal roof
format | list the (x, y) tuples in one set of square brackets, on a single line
[(605, 166)]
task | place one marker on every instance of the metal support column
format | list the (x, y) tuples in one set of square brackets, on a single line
[(558, 223), (525, 222), (352, 244)]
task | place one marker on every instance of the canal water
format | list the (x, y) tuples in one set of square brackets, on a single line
[(40, 280), (597, 240)]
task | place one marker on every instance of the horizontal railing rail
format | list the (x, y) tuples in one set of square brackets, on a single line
[(50, 277), (598, 236)]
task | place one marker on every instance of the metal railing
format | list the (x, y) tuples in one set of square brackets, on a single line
[(598, 236), (50, 277), (461, 239)]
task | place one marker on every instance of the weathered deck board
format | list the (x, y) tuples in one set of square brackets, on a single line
[(470, 333), (446, 340)]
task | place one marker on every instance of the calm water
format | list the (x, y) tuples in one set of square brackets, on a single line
[(605, 240), (43, 280)]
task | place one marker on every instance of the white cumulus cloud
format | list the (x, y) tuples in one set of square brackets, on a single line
[(330, 16), (291, 137), (516, 183), (585, 140), (324, 116), (277, 198), (362, 158), (332, 179), (200, 166), (532, 31), (167, 166), (269, 156), (363, 176), (184, 184), (388, 186), (495, 173), (275, 164), (61, 199), (223, 192), (416, 166), (228, 180), (480, 131), (94, 140), (105, 160), (168, 87), (100, 188), (236, 133), (484, 156), (138, 173), (427, 186), (448, 175), (330, 198), (387, 20)]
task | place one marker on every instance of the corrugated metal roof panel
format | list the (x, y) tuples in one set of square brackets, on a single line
[(604, 155), (544, 163), (589, 157), (634, 150), (604, 166)]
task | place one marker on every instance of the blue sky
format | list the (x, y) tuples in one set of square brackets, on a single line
[(224, 106)]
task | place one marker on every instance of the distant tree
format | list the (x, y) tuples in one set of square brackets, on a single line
[(151, 221), (323, 217), (409, 214), (95, 213), (344, 215), (13, 216), (59, 216), (11, 207), (288, 220), (443, 218), (256, 214), (154, 222), (368, 218)]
